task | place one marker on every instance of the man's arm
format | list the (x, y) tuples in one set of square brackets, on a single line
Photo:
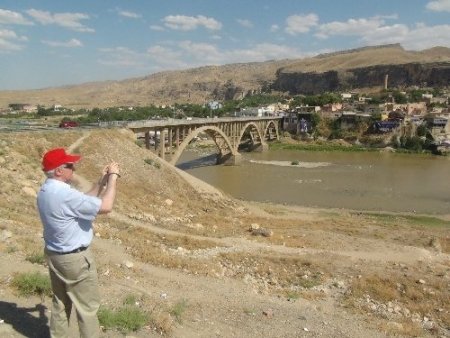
[(98, 187), (109, 195)]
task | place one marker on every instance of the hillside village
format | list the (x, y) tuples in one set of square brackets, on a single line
[(418, 114)]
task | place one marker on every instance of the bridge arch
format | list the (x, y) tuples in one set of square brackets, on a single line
[(219, 137), (252, 127), (270, 127)]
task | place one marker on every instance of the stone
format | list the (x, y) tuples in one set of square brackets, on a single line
[(29, 191), (262, 232), (254, 226), (5, 234), (268, 313), (169, 202), (129, 264)]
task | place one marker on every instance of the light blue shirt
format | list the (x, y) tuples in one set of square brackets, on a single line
[(67, 216)]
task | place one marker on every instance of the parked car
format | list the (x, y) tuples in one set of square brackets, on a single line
[(68, 124)]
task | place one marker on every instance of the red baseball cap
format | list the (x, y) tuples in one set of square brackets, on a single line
[(54, 158)]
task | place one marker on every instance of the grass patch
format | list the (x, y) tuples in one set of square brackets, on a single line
[(317, 147), (427, 221), (34, 283), (292, 295), (295, 162), (419, 298), (178, 309), (36, 258), (249, 312), (152, 162), (419, 220), (11, 249), (130, 300), (125, 319)]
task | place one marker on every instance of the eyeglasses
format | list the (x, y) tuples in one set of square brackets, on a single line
[(69, 166)]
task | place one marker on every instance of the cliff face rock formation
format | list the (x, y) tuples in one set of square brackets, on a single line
[(435, 74), (345, 70)]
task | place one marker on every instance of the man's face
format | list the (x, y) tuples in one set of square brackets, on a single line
[(66, 172)]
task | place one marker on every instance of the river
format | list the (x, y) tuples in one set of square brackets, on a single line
[(351, 180)]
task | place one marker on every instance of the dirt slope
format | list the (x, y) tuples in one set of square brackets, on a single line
[(185, 251)]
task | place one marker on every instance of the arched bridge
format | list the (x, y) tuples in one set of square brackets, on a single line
[(170, 137)]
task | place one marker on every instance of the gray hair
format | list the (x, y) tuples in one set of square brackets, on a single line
[(51, 173)]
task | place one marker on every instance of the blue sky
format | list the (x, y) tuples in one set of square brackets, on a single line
[(49, 43)]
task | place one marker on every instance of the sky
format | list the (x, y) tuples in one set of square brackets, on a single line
[(51, 43)]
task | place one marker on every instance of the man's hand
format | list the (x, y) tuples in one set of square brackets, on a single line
[(113, 168)]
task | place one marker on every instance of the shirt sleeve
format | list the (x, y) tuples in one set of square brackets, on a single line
[(83, 206)]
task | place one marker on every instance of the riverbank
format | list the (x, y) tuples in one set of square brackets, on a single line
[(289, 143)]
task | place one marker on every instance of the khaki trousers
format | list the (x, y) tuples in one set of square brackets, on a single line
[(74, 282)]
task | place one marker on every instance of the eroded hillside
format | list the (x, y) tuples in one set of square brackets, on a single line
[(240, 269)]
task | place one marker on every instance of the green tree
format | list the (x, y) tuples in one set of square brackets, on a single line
[(399, 97)]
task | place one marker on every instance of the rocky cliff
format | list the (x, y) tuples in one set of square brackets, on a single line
[(435, 74)]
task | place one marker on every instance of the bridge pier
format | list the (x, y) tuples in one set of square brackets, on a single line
[(229, 159), (261, 147)]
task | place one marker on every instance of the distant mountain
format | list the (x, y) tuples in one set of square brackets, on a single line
[(352, 69)]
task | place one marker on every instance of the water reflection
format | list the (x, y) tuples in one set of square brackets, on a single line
[(204, 161)]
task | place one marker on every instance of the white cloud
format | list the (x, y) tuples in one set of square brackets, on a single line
[(245, 23), (301, 23), (351, 27), (122, 57), (130, 15), (71, 43), (423, 36), (189, 54), (198, 51), (187, 23), (374, 31), (386, 34), (261, 52), (165, 57), (439, 6), (9, 41), (9, 17), (66, 20), (274, 28), (156, 28)]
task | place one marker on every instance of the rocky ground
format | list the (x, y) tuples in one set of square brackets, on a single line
[(201, 264)]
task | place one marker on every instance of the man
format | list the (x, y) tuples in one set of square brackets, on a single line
[(67, 215)]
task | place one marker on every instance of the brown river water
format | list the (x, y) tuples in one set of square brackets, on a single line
[(359, 181)]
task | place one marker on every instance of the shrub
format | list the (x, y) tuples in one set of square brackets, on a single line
[(36, 258), (34, 283), (178, 310), (127, 318), (152, 162)]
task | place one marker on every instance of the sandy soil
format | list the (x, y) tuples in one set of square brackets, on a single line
[(203, 258)]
